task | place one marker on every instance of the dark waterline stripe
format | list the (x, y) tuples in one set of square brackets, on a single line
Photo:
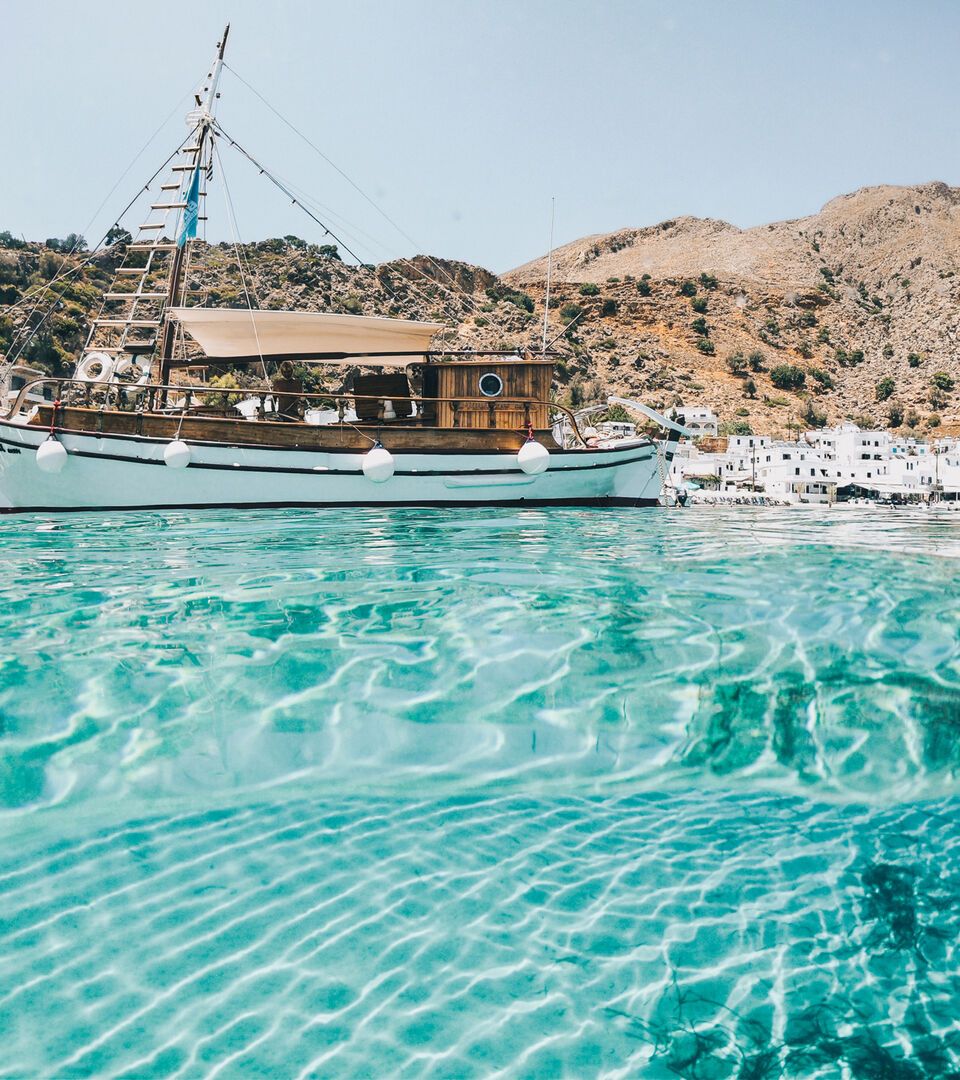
[(612, 501)]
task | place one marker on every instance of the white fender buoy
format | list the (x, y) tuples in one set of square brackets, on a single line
[(176, 454), (51, 456), (533, 457), (378, 464)]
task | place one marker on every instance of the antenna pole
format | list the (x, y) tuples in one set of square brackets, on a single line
[(546, 305)]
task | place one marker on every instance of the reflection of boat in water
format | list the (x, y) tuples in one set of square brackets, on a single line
[(417, 426)]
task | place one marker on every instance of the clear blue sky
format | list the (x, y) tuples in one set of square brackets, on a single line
[(462, 119)]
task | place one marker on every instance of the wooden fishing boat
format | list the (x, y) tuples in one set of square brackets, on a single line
[(417, 424)]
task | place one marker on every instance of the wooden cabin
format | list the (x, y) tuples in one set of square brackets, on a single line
[(503, 394)]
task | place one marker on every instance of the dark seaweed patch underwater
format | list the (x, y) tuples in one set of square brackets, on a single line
[(479, 793)]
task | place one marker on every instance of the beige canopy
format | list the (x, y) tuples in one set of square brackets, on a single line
[(233, 334)]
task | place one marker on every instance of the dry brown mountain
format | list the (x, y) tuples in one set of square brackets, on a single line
[(862, 298), (850, 312)]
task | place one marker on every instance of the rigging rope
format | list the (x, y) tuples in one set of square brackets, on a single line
[(302, 204), (25, 328), (120, 179), (333, 165), (290, 195), (231, 215)]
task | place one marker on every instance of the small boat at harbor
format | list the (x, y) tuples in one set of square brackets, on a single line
[(415, 423)]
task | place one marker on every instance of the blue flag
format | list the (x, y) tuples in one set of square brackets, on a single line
[(189, 230)]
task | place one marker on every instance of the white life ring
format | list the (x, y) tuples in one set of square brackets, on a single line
[(125, 367), (95, 367)]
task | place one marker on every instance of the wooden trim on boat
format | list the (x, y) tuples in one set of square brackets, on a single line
[(287, 436)]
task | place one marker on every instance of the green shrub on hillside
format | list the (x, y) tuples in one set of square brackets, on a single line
[(736, 363), (511, 296), (813, 417), (787, 377), (885, 388), (824, 378)]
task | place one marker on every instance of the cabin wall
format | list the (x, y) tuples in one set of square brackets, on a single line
[(524, 381)]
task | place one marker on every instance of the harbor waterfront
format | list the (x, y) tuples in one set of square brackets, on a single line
[(454, 793), (822, 466)]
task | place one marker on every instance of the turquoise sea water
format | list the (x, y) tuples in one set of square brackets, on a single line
[(473, 793)]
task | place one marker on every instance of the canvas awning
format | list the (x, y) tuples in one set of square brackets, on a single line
[(240, 334)]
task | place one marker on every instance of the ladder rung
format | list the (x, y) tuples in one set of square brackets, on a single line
[(151, 247), (141, 270), (182, 168), (168, 205), (128, 322), (158, 225), (134, 296), (170, 187), (189, 149), (130, 346)]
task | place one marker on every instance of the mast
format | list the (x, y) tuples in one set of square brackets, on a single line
[(203, 117), (546, 305)]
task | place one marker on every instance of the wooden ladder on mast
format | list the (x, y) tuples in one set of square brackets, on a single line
[(133, 309), (143, 307)]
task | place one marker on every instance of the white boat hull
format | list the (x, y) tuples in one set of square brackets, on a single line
[(128, 472)]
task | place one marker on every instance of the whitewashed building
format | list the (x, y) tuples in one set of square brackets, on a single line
[(699, 420), (825, 465)]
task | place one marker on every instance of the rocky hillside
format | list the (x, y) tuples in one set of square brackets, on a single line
[(849, 313)]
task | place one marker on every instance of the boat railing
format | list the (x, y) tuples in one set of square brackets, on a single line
[(180, 400)]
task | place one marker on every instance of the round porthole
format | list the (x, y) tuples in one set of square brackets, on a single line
[(491, 385)]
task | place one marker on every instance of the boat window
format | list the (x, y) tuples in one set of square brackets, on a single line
[(491, 385)]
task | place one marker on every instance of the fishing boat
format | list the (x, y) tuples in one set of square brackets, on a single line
[(414, 424)]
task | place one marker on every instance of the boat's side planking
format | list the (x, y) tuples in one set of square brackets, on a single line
[(292, 435)]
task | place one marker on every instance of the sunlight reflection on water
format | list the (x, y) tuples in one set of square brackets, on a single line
[(450, 792)]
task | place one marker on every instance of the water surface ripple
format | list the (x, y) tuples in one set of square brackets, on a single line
[(522, 793)]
